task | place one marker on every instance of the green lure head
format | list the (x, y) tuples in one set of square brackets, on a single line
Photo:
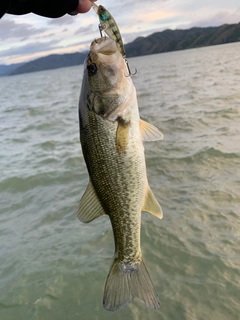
[(102, 13)]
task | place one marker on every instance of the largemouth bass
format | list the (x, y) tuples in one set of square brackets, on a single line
[(111, 135)]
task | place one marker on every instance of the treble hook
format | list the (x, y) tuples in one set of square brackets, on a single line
[(100, 30), (129, 71)]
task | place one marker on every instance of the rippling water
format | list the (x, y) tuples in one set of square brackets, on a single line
[(54, 267)]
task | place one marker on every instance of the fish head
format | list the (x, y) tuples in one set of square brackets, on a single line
[(104, 65), (106, 87)]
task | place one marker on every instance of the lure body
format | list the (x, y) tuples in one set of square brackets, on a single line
[(109, 26)]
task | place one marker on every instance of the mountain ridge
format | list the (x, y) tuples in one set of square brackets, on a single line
[(173, 40), (164, 41), (53, 61)]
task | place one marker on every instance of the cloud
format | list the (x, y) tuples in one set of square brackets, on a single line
[(9, 29), (31, 36), (155, 16), (30, 48), (219, 18), (126, 6), (39, 49), (67, 19), (86, 30)]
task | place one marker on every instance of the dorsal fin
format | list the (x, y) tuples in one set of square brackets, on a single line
[(151, 205), (149, 132), (90, 207)]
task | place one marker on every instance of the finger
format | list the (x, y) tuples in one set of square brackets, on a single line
[(84, 6)]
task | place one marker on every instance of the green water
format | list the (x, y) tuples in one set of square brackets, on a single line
[(53, 267)]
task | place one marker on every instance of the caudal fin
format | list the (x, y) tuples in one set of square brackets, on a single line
[(127, 281)]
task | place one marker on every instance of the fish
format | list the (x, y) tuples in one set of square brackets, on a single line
[(111, 136), (109, 25)]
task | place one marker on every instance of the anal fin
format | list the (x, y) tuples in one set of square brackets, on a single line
[(90, 207), (151, 205)]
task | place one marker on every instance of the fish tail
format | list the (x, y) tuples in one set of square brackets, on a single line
[(127, 281)]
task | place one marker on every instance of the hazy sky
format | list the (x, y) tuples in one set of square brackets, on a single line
[(28, 37)]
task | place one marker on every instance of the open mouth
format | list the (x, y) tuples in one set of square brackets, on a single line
[(104, 45)]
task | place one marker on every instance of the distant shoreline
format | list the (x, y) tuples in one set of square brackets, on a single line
[(158, 42)]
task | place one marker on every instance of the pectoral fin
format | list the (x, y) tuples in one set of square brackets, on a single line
[(151, 205), (122, 136), (90, 207), (149, 132)]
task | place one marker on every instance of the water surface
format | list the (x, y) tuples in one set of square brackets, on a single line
[(55, 267)]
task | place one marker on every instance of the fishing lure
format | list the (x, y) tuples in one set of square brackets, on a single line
[(109, 26)]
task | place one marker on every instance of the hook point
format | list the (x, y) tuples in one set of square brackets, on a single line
[(130, 73)]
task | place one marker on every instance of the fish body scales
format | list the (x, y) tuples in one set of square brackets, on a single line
[(119, 181)]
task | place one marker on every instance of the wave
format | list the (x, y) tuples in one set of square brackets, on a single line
[(205, 154)]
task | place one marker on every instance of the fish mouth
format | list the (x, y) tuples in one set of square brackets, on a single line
[(105, 45)]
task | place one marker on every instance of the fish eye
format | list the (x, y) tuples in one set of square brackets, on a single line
[(92, 69)]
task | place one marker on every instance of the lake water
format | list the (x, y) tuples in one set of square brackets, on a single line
[(52, 266)]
